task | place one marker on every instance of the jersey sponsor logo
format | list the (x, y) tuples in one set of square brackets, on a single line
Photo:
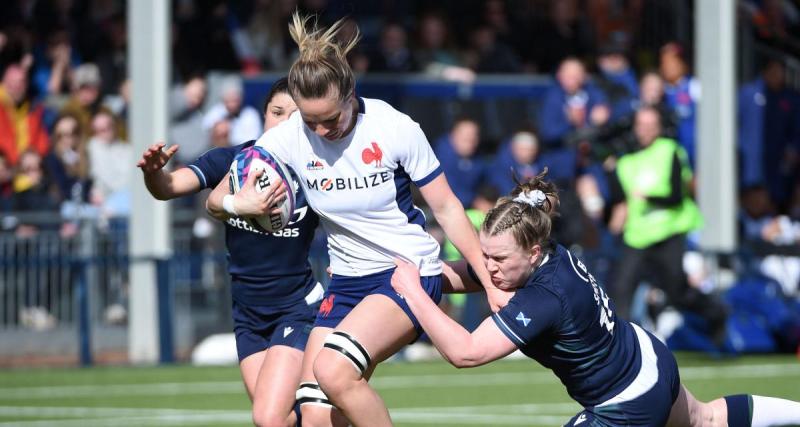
[(299, 214), (287, 330), (581, 418), (522, 319), (374, 155), (326, 306), (314, 165), (356, 183)]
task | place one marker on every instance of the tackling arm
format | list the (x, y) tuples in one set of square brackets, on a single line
[(456, 344), (450, 215)]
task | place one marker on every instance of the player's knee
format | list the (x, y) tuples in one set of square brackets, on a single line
[(346, 362), (266, 418)]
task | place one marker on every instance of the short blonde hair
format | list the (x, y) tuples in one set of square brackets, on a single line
[(322, 63)]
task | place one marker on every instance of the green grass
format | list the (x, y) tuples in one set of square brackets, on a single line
[(418, 394)]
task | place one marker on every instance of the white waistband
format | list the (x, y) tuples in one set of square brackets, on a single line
[(648, 372)]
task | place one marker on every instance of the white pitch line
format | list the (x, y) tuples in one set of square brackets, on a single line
[(460, 379), (106, 416), (515, 414), (517, 408), (474, 419)]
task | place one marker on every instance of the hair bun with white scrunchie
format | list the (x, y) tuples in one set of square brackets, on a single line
[(534, 198)]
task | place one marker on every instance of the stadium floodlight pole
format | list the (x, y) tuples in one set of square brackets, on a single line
[(149, 70), (715, 57)]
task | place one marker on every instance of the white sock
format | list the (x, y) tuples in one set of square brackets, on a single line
[(771, 411)]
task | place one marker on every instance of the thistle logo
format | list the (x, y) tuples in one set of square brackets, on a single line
[(326, 306), (314, 165), (375, 155)]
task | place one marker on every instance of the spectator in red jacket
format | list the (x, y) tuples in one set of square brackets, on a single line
[(21, 125)]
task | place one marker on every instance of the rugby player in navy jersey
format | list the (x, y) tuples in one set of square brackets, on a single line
[(274, 292), (562, 318)]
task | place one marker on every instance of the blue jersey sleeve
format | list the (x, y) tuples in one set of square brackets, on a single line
[(530, 312), (213, 165)]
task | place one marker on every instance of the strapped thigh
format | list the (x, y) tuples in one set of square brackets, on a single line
[(350, 348), (309, 393)]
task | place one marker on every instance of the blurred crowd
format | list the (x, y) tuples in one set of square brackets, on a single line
[(621, 82)]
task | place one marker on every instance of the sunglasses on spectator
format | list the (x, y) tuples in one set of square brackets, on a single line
[(65, 134)]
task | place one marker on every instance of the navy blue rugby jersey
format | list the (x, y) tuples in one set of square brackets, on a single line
[(564, 320), (273, 267)]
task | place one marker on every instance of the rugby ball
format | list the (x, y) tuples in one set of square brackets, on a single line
[(256, 158)]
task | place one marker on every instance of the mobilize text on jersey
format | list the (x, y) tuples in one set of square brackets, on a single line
[(357, 183)]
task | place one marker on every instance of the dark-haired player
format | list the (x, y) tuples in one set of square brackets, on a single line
[(274, 292)]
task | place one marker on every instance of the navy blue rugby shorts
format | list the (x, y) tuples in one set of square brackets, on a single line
[(344, 293)]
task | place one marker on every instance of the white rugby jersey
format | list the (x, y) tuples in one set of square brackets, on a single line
[(359, 186)]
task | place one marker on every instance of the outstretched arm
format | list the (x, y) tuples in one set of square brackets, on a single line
[(456, 344), (161, 184), (450, 214)]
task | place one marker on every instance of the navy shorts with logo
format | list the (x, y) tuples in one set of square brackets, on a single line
[(260, 326), (344, 293), (652, 408)]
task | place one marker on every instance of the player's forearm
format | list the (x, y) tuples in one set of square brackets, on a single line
[(450, 338), (457, 280), (158, 183), (460, 231), (214, 205)]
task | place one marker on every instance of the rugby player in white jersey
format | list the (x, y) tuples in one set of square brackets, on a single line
[(356, 160)]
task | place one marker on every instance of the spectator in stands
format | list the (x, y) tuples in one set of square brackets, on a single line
[(67, 163), (617, 80), (52, 65), (6, 188), (488, 55), (435, 53), (770, 233), (516, 158), (31, 191), (113, 59), (84, 102), (571, 104), (117, 104), (769, 133), (651, 94), (220, 134), (203, 38), (266, 33), (21, 120), (682, 91), (392, 54), (186, 119), (245, 122), (111, 183), (457, 151), (564, 33), (659, 212)]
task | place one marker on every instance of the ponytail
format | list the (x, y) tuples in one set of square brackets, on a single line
[(322, 63)]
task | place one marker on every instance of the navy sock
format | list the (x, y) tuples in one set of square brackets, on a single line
[(297, 413), (740, 410)]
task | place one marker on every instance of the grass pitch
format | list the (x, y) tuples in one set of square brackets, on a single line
[(507, 393)]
